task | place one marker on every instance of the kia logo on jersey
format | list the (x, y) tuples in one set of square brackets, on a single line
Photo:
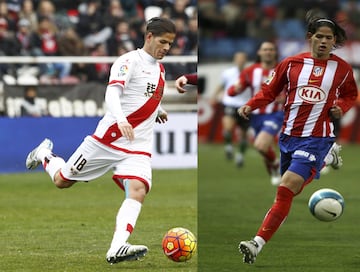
[(311, 94)]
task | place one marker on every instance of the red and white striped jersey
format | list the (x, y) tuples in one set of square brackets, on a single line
[(141, 79), (313, 86), (254, 76)]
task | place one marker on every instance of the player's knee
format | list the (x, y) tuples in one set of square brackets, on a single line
[(137, 190), (61, 183), (139, 194), (261, 146)]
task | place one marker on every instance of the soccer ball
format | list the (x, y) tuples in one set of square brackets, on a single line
[(179, 244), (326, 204)]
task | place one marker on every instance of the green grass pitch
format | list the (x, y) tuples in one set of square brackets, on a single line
[(46, 229), (233, 202)]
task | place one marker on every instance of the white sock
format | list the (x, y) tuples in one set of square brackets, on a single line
[(53, 165), (125, 222), (43, 152), (260, 241)]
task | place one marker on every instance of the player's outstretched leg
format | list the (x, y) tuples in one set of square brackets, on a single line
[(250, 250), (32, 160), (126, 252)]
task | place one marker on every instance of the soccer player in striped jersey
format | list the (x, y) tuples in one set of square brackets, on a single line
[(267, 119), (123, 138), (319, 85)]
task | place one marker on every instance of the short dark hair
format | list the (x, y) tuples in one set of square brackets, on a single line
[(316, 19), (159, 26)]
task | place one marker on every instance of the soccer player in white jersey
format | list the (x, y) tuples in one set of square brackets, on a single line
[(319, 85), (231, 119), (123, 138)]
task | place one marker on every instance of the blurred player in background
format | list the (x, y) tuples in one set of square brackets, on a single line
[(319, 86), (231, 118), (266, 120), (123, 138)]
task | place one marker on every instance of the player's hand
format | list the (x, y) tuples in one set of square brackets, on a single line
[(244, 111), (162, 117), (180, 83), (126, 130), (336, 112)]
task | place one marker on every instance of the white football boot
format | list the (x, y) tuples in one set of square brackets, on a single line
[(126, 252), (335, 152), (250, 250), (229, 151), (32, 161), (239, 159)]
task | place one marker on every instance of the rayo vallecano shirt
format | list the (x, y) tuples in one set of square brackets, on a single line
[(141, 79)]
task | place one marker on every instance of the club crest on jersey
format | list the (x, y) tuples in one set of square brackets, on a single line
[(318, 71), (123, 70), (269, 78), (311, 94)]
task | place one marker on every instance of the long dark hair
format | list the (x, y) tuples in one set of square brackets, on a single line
[(316, 19)]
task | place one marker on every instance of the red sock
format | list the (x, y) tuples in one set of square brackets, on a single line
[(270, 155), (277, 214)]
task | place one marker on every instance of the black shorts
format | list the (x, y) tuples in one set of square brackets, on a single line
[(232, 112)]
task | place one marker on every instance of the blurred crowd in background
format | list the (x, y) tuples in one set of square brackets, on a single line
[(87, 28), (232, 25)]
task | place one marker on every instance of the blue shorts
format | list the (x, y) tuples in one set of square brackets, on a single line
[(270, 123), (304, 155)]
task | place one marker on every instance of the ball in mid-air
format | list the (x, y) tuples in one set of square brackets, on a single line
[(326, 204)]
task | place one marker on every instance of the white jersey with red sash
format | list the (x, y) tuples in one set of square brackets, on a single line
[(142, 79)]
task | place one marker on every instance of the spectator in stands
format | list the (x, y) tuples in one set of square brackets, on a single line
[(91, 26), (44, 42), (47, 9), (70, 44), (14, 7), (4, 13), (137, 32), (192, 36), (30, 106), (288, 24), (113, 14), (120, 39), (23, 36), (178, 10), (181, 41), (102, 69), (130, 8), (27, 12), (8, 47)]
